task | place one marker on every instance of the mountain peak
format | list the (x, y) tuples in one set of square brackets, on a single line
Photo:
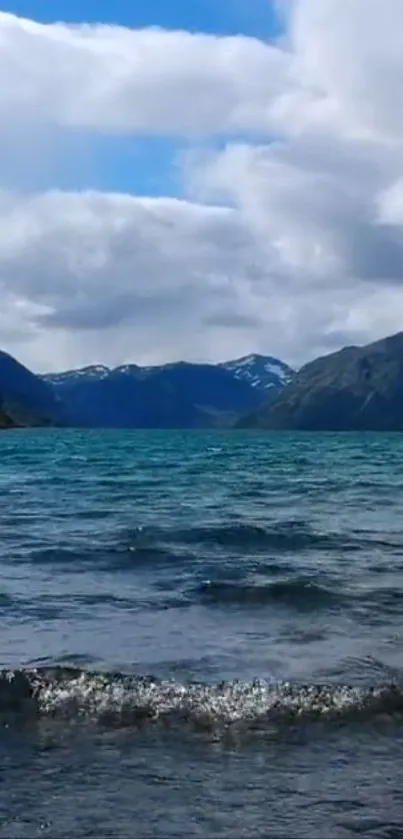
[(263, 372), (90, 371), (353, 389)]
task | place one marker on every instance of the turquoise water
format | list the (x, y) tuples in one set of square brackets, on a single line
[(201, 634)]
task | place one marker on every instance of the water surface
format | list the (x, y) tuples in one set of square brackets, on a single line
[(201, 634)]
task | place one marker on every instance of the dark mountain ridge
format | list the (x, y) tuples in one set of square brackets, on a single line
[(177, 395), (354, 389), (183, 395), (25, 399)]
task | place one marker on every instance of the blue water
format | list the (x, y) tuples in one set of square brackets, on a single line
[(201, 635)]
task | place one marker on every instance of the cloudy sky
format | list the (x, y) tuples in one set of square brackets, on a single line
[(199, 179)]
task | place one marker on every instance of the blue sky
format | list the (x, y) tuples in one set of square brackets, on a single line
[(144, 165), (251, 17)]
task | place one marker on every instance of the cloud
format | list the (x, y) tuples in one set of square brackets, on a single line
[(90, 276), (157, 273), (313, 204), (113, 79), (94, 258), (336, 69), (292, 244), (349, 60)]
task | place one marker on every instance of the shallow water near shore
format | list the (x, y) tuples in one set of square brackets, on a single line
[(201, 634)]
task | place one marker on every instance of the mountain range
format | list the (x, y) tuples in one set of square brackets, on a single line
[(176, 395), (356, 388)]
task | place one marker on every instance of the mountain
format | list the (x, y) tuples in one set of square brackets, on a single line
[(25, 399), (262, 372), (357, 388), (95, 371), (174, 396), (177, 395)]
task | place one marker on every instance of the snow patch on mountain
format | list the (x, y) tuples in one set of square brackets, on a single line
[(93, 371), (262, 372)]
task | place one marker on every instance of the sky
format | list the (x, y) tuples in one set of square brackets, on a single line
[(199, 180)]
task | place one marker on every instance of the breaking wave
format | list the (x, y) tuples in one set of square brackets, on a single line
[(118, 700)]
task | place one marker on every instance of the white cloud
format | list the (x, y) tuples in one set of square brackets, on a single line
[(93, 276), (155, 276), (348, 57), (306, 250), (114, 79), (313, 204), (338, 69)]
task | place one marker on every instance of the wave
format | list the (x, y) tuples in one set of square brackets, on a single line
[(299, 593), (118, 700), (146, 546), (278, 536), (120, 557), (287, 536)]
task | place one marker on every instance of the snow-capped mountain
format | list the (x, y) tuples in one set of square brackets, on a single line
[(261, 371), (180, 394), (93, 371)]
